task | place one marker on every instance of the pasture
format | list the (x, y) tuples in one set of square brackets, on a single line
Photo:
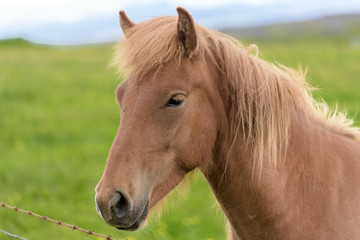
[(58, 118)]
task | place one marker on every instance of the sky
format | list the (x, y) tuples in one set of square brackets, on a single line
[(87, 21), (29, 13)]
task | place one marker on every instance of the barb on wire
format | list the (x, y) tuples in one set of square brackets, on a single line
[(73, 227)]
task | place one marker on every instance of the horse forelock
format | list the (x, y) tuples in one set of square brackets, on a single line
[(264, 94)]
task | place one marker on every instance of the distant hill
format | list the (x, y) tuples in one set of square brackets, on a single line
[(15, 42), (330, 25)]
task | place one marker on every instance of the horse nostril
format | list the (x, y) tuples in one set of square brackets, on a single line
[(122, 206)]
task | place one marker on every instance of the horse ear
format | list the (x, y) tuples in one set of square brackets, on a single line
[(186, 31), (125, 22)]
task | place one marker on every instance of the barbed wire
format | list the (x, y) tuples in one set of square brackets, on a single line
[(73, 227)]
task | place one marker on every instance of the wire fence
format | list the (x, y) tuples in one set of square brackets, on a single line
[(12, 235), (73, 227)]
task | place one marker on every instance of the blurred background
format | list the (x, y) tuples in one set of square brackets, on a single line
[(58, 115), (78, 22)]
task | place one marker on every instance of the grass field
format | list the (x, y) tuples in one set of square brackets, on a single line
[(58, 118)]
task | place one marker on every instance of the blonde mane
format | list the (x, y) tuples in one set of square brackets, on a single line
[(263, 95)]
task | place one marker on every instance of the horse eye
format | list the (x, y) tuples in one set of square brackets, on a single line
[(175, 100)]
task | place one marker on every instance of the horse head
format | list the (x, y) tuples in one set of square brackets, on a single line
[(168, 125)]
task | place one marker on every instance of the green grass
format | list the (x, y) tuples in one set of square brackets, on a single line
[(58, 118)]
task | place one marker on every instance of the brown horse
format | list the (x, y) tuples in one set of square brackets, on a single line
[(280, 165)]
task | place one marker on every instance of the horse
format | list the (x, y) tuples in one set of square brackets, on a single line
[(280, 164)]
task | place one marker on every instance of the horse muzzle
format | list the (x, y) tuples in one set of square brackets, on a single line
[(120, 212)]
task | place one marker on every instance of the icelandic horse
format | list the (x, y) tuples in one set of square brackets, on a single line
[(280, 164)]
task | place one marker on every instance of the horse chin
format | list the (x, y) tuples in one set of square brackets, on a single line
[(140, 222)]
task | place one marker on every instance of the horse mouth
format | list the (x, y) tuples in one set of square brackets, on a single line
[(138, 223)]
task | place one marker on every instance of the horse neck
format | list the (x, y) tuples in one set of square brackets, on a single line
[(272, 205), (242, 198), (262, 207)]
